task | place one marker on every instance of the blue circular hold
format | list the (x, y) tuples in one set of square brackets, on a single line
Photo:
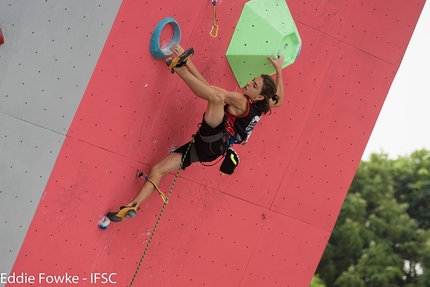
[(154, 45)]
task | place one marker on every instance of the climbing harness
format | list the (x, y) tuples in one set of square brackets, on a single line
[(214, 138), (165, 200), (214, 25)]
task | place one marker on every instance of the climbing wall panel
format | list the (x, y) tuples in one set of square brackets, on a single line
[(385, 33), (328, 17), (62, 229), (266, 225), (286, 263), (197, 217), (125, 85), (46, 61), (49, 56), (279, 133), (339, 124)]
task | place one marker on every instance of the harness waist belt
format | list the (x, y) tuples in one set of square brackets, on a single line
[(213, 138)]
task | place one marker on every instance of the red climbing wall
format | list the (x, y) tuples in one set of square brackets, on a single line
[(266, 225)]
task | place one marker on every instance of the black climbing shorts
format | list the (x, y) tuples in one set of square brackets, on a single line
[(205, 148)]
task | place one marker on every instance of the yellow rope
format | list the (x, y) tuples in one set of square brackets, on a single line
[(161, 212)]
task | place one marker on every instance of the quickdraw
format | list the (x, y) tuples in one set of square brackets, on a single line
[(214, 25), (145, 177)]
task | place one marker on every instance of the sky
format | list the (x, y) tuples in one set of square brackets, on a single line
[(403, 125)]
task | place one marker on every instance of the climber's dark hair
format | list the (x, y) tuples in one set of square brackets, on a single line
[(269, 92)]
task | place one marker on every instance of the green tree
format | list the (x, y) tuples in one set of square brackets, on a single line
[(412, 185), (317, 282), (381, 237), (350, 278)]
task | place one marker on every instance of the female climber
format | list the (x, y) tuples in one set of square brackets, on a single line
[(229, 119)]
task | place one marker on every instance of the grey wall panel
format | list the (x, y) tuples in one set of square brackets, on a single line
[(28, 153), (49, 54)]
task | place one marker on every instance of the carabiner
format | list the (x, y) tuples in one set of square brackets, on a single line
[(215, 25)]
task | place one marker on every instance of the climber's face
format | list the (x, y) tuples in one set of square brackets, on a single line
[(253, 89)]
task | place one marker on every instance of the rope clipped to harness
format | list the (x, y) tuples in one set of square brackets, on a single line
[(162, 209)]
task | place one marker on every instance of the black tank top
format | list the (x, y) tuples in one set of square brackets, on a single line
[(240, 127)]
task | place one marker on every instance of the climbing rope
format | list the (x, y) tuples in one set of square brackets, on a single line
[(165, 200), (215, 25)]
